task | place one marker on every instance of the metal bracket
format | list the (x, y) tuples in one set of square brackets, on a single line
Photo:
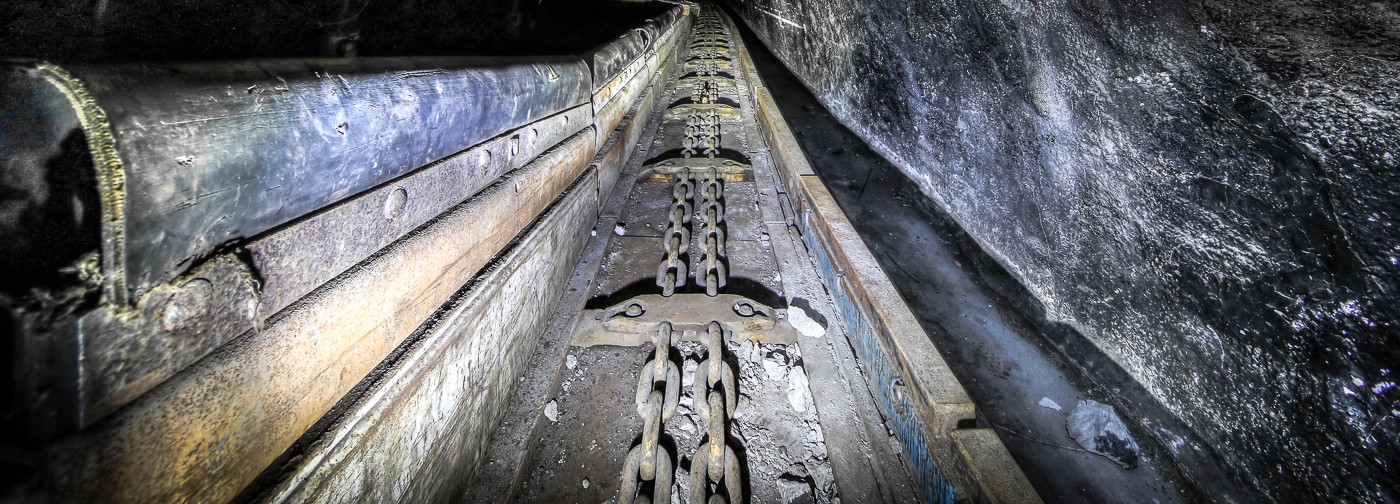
[(627, 323)]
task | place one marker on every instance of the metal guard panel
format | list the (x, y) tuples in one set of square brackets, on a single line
[(216, 152), (609, 59)]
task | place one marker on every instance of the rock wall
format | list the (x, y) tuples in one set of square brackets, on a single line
[(1207, 191), (109, 31)]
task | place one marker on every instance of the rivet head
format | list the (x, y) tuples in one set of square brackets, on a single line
[(174, 317), (186, 305), (395, 203)]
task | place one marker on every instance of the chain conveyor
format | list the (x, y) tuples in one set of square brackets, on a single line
[(373, 279), (688, 367)]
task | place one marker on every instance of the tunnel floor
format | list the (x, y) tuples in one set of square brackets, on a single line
[(800, 410)]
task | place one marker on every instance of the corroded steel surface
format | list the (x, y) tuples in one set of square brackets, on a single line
[(462, 373), (916, 389), (685, 234)]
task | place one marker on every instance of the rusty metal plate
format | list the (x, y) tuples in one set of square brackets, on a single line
[(630, 322), (666, 171), (726, 112)]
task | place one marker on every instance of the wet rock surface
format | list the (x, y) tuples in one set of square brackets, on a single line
[(1002, 351), (1206, 191)]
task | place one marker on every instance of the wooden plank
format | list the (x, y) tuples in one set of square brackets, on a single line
[(863, 461), (781, 142), (995, 475), (979, 467), (936, 390), (909, 415), (207, 432), (460, 375)]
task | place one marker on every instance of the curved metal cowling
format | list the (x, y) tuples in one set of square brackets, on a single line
[(192, 156)]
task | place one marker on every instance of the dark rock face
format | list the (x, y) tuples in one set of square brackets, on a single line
[(200, 30), (1208, 191)]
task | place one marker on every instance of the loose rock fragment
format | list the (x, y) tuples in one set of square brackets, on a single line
[(774, 370), (1046, 402), (551, 411), (804, 323), (797, 389), (796, 490)]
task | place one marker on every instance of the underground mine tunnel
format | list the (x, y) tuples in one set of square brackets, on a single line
[(1007, 251)]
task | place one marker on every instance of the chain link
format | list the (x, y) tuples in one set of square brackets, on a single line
[(713, 272), (707, 68), (692, 134), (717, 41), (672, 273), (714, 470), (711, 131), (658, 394), (715, 461), (661, 485), (705, 91), (702, 131)]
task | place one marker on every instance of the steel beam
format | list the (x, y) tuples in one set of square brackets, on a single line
[(918, 392)]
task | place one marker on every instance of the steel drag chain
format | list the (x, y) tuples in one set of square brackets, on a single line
[(658, 393), (715, 461), (713, 273), (672, 273)]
